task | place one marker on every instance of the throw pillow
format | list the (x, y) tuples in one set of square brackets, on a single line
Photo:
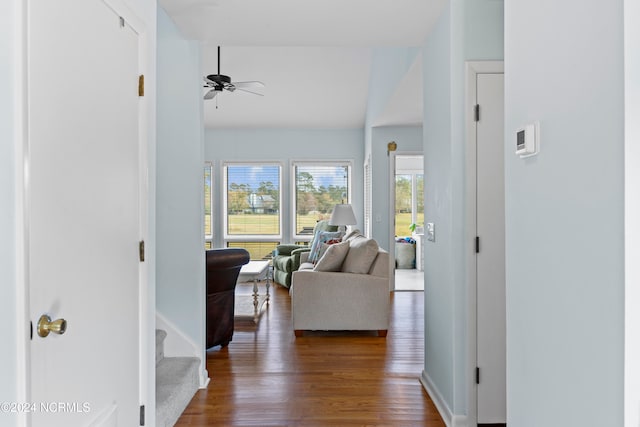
[(351, 235), (326, 245), (362, 253), (333, 257), (320, 238)]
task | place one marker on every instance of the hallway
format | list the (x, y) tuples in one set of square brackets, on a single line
[(267, 377)]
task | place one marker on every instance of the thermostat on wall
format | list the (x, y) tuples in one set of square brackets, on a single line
[(527, 140)]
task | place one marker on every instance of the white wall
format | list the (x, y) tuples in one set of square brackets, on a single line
[(408, 138), (564, 213), (632, 213), (180, 187), (437, 170), (8, 320), (467, 30), (389, 65), (284, 145)]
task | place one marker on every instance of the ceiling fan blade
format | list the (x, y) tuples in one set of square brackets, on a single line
[(248, 91), (248, 84), (211, 94)]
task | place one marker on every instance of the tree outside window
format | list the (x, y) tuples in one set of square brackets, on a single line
[(318, 188)]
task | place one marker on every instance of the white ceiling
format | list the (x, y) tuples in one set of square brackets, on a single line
[(304, 87), (313, 56)]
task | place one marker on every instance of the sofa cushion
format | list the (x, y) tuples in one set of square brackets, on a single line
[(320, 238), (333, 257), (306, 266), (362, 253)]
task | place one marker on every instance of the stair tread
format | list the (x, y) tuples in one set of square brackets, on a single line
[(177, 381), (171, 370)]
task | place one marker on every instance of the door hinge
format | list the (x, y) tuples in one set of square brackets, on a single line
[(476, 113), (477, 244), (141, 85), (31, 327), (141, 415), (141, 250), (477, 375)]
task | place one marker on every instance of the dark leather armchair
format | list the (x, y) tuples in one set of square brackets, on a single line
[(222, 270)]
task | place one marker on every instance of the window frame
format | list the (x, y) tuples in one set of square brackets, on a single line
[(208, 238), (293, 186), (239, 238)]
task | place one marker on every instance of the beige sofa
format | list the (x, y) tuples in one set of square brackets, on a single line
[(339, 300)]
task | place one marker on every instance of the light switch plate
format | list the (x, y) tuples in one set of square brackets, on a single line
[(431, 232)]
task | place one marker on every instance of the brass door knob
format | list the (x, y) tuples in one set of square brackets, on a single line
[(45, 325)]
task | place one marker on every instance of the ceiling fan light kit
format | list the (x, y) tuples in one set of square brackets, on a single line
[(219, 82)]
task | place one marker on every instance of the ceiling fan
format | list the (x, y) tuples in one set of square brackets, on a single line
[(219, 82)]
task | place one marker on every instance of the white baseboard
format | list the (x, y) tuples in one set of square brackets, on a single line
[(204, 379), (177, 344), (448, 417), (459, 421)]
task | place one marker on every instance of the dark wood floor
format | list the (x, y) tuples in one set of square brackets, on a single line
[(267, 377)]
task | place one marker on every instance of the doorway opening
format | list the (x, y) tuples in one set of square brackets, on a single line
[(408, 221)]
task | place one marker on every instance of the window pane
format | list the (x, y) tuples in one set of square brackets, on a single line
[(253, 199), (257, 250), (318, 188), (420, 200), (403, 205)]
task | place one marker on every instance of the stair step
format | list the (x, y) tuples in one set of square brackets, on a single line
[(177, 381), (160, 336)]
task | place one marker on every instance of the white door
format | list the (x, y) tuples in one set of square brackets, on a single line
[(490, 274), (83, 214)]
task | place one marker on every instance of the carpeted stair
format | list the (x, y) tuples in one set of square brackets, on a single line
[(177, 380)]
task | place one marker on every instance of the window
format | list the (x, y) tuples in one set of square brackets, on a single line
[(318, 187), (208, 217), (252, 207)]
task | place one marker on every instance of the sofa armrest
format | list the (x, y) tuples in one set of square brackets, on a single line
[(300, 250), (287, 250), (304, 257)]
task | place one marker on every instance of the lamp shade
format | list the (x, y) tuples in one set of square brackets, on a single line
[(342, 215)]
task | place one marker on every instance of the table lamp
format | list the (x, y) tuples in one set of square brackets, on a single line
[(342, 216)]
